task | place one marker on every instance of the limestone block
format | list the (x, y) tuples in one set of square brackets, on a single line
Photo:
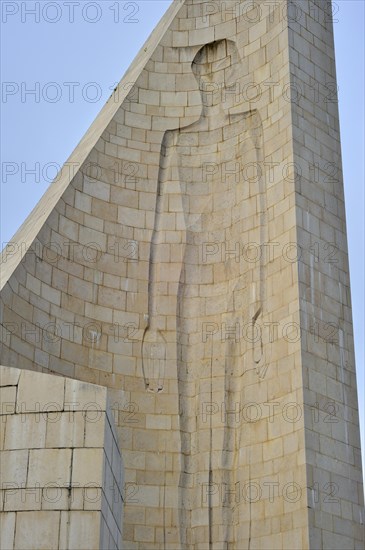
[(45, 537), (48, 467), (84, 531), (83, 396), (20, 499), (14, 466), (46, 393), (89, 237), (95, 431), (9, 376), (7, 530), (25, 431), (159, 422), (2, 432), (97, 189), (83, 202), (87, 467), (8, 399), (55, 498)]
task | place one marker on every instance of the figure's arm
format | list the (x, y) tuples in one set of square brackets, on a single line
[(161, 272), (159, 254), (253, 127), (258, 305)]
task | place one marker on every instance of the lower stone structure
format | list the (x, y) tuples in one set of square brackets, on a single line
[(61, 466)]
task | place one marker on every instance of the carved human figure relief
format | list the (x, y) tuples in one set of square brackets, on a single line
[(208, 208)]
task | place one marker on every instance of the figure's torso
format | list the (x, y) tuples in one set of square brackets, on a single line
[(212, 173)]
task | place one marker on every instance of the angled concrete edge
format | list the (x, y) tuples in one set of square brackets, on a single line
[(34, 222)]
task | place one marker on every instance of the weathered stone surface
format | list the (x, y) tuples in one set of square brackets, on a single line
[(208, 290), (61, 471)]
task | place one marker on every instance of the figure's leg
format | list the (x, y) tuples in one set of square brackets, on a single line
[(231, 418), (187, 429), (233, 388), (211, 437), (188, 389)]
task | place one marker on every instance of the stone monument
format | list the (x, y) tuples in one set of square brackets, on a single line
[(195, 264)]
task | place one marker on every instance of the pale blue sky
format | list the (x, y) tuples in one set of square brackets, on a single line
[(37, 130)]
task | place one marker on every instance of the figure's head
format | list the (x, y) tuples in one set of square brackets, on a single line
[(215, 65)]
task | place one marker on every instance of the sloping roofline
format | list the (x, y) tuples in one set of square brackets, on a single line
[(36, 219)]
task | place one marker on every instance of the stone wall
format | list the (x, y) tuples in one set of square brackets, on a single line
[(332, 434), (61, 467), (230, 451)]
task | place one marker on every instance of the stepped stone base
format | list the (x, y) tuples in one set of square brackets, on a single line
[(61, 466)]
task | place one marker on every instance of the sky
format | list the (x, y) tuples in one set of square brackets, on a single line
[(72, 54)]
